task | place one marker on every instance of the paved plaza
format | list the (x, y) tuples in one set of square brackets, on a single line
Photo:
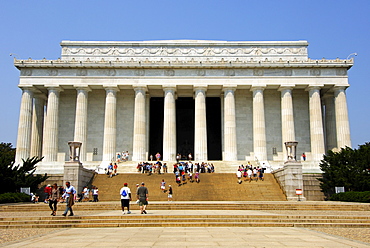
[(188, 237)]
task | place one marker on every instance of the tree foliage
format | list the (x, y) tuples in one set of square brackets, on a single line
[(13, 177), (348, 168)]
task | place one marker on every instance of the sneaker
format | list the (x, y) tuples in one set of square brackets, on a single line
[(64, 214), (128, 212), (71, 215), (123, 212), (144, 212)]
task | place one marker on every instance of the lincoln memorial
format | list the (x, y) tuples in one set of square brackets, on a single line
[(231, 101)]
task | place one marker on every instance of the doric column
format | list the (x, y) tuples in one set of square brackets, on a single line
[(259, 126), (139, 142), (80, 134), (37, 125), (50, 146), (110, 125), (330, 126), (24, 126), (169, 124), (200, 131), (341, 117), (316, 126), (287, 117), (230, 146)]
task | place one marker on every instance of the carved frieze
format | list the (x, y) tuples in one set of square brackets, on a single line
[(201, 72), (26, 72), (139, 72), (315, 72), (181, 51), (169, 73), (53, 72), (258, 72), (341, 72), (110, 72), (81, 72)]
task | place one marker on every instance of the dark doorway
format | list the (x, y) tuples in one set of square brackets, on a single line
[(156, 125), (213, 106), (185, 126)]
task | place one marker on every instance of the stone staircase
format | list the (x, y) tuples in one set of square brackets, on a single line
[(193, 214), (212, 187)]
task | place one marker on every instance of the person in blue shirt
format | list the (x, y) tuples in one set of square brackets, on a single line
[(69, 194)]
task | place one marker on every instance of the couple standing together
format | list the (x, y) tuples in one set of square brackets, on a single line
[(142, 196)]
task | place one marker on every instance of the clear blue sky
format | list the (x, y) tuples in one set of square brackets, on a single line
[(333, 29)]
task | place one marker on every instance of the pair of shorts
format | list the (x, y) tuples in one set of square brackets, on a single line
[(125, 202), (142, 202), (169, 196)]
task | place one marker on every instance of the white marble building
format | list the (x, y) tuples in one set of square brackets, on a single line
[(219, 100)]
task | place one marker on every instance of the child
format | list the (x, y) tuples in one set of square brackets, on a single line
[(190, 177), (170, 193), (197, 177), (163, 186)]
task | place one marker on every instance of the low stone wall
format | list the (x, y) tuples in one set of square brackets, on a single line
[(312, 188), (79, 176), (290, 179)]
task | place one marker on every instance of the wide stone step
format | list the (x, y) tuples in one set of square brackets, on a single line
[(103, 206)]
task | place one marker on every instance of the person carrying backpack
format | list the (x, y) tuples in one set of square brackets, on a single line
[(125, 193)]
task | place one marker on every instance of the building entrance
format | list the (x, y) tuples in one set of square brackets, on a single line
[(185, 125)]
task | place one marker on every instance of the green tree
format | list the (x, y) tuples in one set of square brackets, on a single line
[(12, 177), (348, 168)]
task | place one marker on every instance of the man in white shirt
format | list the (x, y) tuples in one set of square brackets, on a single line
[(125, 193), (239, 176), (69, 198)]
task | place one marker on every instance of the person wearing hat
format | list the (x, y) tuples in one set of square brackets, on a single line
[(125, 193), (142, 196)]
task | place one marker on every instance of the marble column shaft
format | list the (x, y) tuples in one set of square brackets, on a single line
[(37, 125), (230, 145), (80, 134), (139, 141), (287, 117), (341, 116), (330, 125), (110, 124), (316, 125), (200, 132), (50, 146), (259, 126), (24, 126), (169, 124)]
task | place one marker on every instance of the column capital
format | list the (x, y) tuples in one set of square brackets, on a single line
[(29, 88), (140, 87), (168, 87), (340, 87), (202, 87), (284, 87), (54, 88), (111, 88), (314, 87), (258, 87), (82, 87), (229, 87)]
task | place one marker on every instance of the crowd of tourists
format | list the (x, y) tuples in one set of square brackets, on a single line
[(250, 173), (158, 167)]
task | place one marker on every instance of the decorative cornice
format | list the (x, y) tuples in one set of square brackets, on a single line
[(26, 65)]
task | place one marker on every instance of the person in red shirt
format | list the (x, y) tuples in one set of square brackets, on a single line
[(47, 193)]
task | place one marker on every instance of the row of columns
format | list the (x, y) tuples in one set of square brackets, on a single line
[(32, 119)]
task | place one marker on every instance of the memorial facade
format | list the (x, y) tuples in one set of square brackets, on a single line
[(218, 100)]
